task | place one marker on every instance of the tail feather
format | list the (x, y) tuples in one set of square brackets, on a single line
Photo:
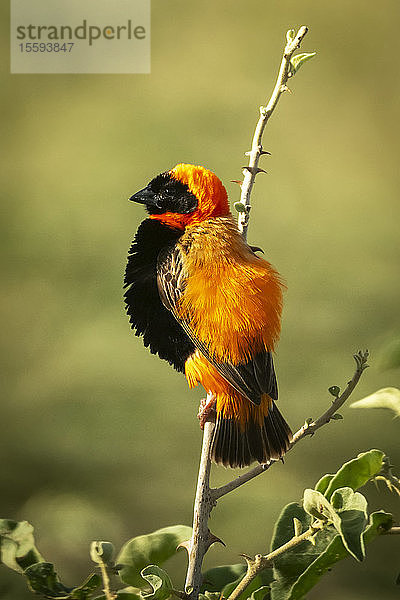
[(234, 447)]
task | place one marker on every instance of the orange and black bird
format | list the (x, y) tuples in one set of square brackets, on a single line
[(204, 301)]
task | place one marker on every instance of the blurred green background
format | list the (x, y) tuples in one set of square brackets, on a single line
[(99, 439)]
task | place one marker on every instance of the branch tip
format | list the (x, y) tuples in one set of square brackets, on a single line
[(361, 358), (285, 72)]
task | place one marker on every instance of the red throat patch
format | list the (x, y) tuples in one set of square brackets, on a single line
[(209, 191)]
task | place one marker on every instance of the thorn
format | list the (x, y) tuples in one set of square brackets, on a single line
[(248, 559), (282, 460), (297, 526), (260, 150), (212, 539), (186, 545), (312, 540), (237, 181), (285, 88), (253, 170)]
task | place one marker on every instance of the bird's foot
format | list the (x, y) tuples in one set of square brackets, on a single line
[(206, 411)]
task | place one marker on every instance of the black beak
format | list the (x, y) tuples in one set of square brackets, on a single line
[(145, 196)]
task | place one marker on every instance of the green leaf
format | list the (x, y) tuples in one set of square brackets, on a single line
[(240, 207), (18, 551), (336, 417), (159, 581), (299, 570), (334, 552), (154, 548), (388, 398), (101, 552), (334, 390), (316, 505), (322, 484), (263, 593), (43, 580), (379, 522), (214, 580), (300, 59), (17, 545), (348, 512), (356, 472), (350, 519)]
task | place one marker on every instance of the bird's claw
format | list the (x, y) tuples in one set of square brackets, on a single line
[(206, 411)]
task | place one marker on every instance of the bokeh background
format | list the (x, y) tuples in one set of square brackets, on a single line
[(99, 439)]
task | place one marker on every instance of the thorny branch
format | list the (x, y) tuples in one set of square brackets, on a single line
[(201, 538), (206, 497), (250, 172)]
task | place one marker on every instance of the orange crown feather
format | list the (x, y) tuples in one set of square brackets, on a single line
[(209, 191)]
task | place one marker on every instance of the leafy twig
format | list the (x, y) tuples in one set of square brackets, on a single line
[(310, 428), (260, 562)]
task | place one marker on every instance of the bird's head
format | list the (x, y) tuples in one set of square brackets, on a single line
[(185, 195)]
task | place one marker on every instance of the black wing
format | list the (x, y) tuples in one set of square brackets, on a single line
[(148, 316), (252, 379)]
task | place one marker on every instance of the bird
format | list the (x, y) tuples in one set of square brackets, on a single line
[(204, 301)]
